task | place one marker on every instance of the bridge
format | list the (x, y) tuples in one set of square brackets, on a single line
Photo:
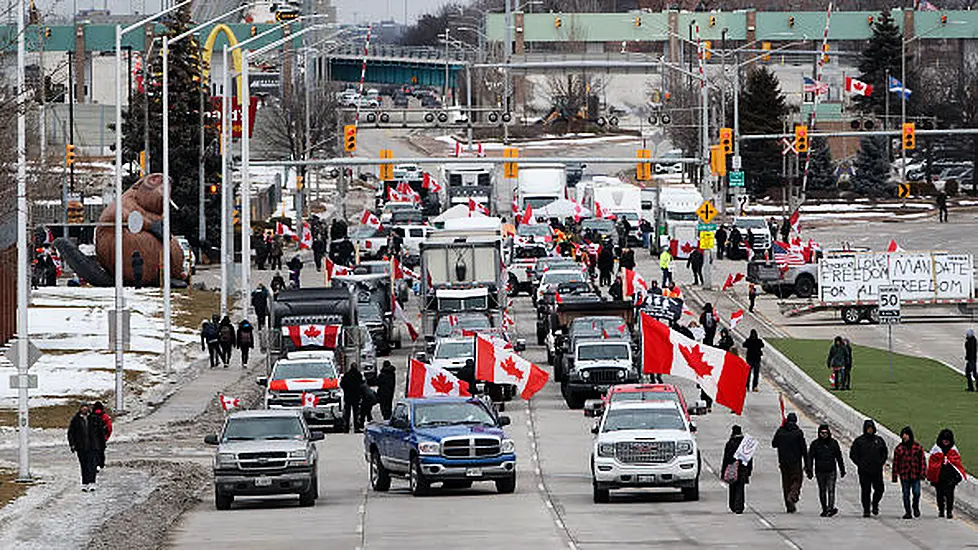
[(389, 64)]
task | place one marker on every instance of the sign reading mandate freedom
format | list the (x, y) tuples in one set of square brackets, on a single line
[(919, 275)]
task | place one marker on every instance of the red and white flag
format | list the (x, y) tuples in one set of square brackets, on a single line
[(479, 151), (407, 193), (516, 207), (476, 207), (426, 380), (722, 375), (430, 183), (784, 417), (735, 318), (893, 246), (508, 321), (527, 218), (858, 87), (402, 317), (369, 219), (794, 221), (309, 400), (558, 299), (332, 269), (633, 283), (228, 402), (728, 284), (306, 241), (284, 230), (303, 384), (458, 149), (397, 272), (325, 336), (498, 365)]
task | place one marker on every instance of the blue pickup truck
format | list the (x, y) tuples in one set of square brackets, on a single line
[(454, 441)]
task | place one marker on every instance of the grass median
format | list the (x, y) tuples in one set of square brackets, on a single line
[(924, 394)]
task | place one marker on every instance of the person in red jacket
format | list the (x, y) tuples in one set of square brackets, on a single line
[(99, 410), (909, 465), (945, 471)]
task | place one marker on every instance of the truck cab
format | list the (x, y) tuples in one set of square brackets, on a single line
[(470, 181), (451, 352), (596, 365), (540, 185), (314, 319), (310, 374), (522, 265)]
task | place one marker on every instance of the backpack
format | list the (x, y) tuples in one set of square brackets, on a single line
[(209, 331)]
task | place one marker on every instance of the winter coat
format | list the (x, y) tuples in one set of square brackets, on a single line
[(386, 380), (909, 462), (971, 348), (753, 347), (246, 335), (259, 301), (695, 260), (868, 451), (824, 455), (721, 237), (350, 383), (789, 440), (945, 465), (743, 471), (278, 283), (208, 333), (627, 260), (86, 433), (606, 260), (225, 334), (665, 260), (837, 357), (726, 342)]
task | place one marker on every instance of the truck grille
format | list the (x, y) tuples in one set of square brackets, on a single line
[(604, 375), (294, 398), (470, 447), (645, 452), (262, 460)]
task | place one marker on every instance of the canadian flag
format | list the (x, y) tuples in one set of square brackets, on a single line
[(732, 279), (309, 400), (396, 271), (558, 299), (401, 316), (407, 192), (306, 241), (426, 380), (495, 364), (795, 220), (368, 218), (735, 318), (410, 274), (722, 375), (858, 87), (228, 402), (476, 207), (516, 207), (394, 196), (332, 270), (634, 284), (324, 336), (430, 183), (479, 151), (303, 384), (458, 149), (282, 229), (578, 212), (893, 246), (527, 218)]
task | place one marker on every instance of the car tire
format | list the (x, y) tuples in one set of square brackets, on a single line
[(558, 373), (315, 484), (380, 478), (222, 500), (420, 486), (600, 495), (506, 485), (804, 286), (851, 315), (307, 498), (692, 494), (573, 400)]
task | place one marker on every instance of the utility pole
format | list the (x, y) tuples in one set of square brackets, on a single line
[(201, 153), (71, 119), (23, 334), (506, 57)]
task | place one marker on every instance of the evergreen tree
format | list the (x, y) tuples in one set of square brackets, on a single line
[(882, 57), (821, 173), (762, 111), (185, 73), (872, 168)]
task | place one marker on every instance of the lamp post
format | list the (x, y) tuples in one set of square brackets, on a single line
[(23, 335), (119, 297)]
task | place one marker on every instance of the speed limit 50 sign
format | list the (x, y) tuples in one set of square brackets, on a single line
[(889, 304)]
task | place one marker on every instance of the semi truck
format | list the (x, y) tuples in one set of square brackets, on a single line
[(470, 181), (316, 319), (540, 185)]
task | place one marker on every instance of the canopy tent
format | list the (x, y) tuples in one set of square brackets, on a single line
[(456, 212), (562, 208)]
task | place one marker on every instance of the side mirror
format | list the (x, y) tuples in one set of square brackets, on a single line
[(504, 421), (316, 435), (595, 428), (692, 426), (593, 408), (211, 439), (520, 345), (261, 380)]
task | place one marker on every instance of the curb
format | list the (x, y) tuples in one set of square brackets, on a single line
[(818, 402)]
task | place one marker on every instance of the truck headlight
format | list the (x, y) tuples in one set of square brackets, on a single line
[(298, 458), (429, 448), (684, 447), (585, 374), (606, 450), (621, 375), (507, 446), (225, 460)]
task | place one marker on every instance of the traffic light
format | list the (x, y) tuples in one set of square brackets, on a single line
[(511, 169), (557, 22), (643, 169), (943, 19), (869, 20), (47, 32), (299, 180), (386, 170), (254, 30), (213, 189), (638, 21), (70, 154), (350, 138), (707, 49), (766, 46), (713, 20), (726, 140), (825, 53), (801, 138), (142, 163), (909, 136), (718, 161), (791, 21)]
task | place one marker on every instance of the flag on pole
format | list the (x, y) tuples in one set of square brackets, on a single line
[(426, 380), (494, 363), (477, 208), (897, 87), (858, 87), (893, 246), (285, 231), (784, 417), (735, 318), (794, 221), (402, 317), (818, 87), (305, 242), (527, 218), (369, 219), (228, 402)]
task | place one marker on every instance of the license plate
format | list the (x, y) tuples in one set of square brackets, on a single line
[(473, 472), (263, 481), (646, 479), (602, 389)]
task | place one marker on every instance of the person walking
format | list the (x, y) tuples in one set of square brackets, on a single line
[(970, 355), (753, 346), (208, 339), (665, 264), (847, 371), (789, 440), (695, 264), (277, 284), (836, 360), (737, 466), (86, 438), (752, 296), (386, 380), (909, 466), (942, 207), (318, 250), (275, 253), (467, 375), (98, 409), (606, 263), (368, 398), (825, 463), (721, 240), (245, 339), (868, 453), (350, 384), (225, 338), (137, 269), (708, 320), (295, 270), (259, 301), (945, 471)]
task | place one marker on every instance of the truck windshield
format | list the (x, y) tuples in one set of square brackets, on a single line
[(304, 369), (557, 277), (612, 326), (461, 322), (602, 352), (368, 311), (271, 427), (681, 216), (453, 350), (538, 202), (644, 396), (533, 230), (529, 252), (642, 419), (440, 414), (600, 226), (463, 304)]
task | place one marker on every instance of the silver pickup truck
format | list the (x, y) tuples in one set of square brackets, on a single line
[(265, 452)]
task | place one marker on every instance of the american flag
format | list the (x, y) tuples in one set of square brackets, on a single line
[(815, 86), (786, 255)]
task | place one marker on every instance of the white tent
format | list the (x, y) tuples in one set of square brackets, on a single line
[(562, 208), (456, 212)]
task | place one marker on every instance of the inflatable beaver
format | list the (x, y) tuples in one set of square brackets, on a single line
[(145, 198)]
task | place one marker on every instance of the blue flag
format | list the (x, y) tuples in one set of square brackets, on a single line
[(897, 87)]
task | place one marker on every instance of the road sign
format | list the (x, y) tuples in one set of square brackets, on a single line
[(511, 169), (789, 147), (889, 304), (903, 190), (33, 354), (706, 226), (125, 329), (28, 381), (735, 162), (707, 240), (737, 178), (706, 212), (643, 170), (386, 170)]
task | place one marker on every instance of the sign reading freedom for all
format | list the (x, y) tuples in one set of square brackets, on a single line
[(919, 275)]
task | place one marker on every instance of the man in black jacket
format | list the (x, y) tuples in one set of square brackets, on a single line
[(869, 454), (790, 443), (350, 384), (86, 437), (970, 355), (825, 457), (386, 380)]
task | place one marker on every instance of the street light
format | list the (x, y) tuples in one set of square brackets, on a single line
[(119, 304)]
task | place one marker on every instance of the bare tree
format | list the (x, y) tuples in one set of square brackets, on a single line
[(281, 125)]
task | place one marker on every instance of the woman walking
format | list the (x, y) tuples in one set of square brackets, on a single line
[(738, 464), (753, 346), (945, 471)]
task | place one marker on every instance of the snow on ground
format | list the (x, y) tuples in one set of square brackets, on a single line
[(550, 141), (862, 208)]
